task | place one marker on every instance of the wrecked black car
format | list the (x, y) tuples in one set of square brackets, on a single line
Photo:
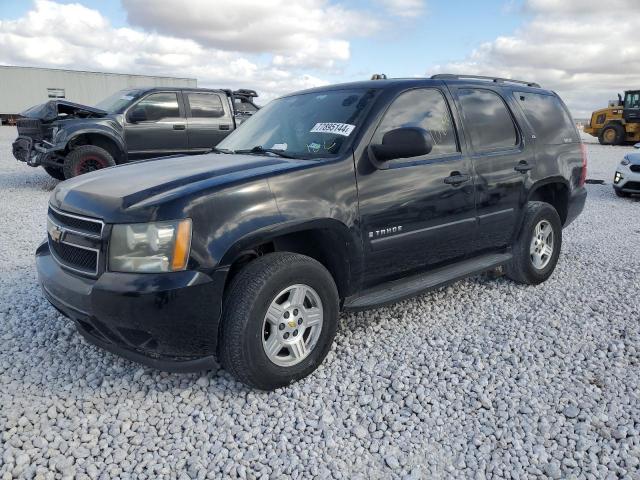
[(69, 139)]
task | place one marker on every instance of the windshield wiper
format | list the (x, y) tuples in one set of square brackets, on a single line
[(260, 149), (220, 150)]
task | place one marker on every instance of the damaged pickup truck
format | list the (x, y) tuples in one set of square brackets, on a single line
[(69, 139)]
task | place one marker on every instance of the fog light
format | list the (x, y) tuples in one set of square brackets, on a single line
[(617, 177)]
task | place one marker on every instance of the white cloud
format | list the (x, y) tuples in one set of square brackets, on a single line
[(74, 36), (301, 33), (404, 8), (582, 49)]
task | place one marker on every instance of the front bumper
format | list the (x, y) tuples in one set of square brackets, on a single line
[(35, 153), (167, 321), (625, 180)]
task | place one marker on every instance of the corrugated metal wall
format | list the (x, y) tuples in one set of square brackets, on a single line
[(23, 87)]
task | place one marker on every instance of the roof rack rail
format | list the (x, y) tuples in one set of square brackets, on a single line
[(443, 76)]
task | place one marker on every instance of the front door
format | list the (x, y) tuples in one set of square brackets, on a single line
[(500, 160), (156, 126), (416, 212), (209, 120)]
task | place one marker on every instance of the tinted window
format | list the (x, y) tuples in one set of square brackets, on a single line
[(425, 108), (205, 105), (159, 105), (632, 100), (551, 123), (487, 120)]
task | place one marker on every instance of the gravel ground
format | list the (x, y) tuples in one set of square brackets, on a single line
[(481, 379)]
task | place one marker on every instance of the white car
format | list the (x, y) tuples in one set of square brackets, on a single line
[(626, 180)]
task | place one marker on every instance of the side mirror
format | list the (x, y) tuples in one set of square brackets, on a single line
[(137, 114), (637, 145), (403, 142)]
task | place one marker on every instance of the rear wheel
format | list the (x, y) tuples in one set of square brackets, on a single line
[(85, 159), (612, 135), (279, 320), (536, 251), (55, 172)]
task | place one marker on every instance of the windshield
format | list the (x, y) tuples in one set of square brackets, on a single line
[(118, 101), (308, 125)]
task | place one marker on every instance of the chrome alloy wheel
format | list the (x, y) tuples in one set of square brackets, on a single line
[(541, 248), (292, 325)]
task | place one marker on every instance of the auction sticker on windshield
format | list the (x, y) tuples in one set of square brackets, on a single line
[(343, 129)]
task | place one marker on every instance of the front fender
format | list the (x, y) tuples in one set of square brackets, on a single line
[(108, 128)]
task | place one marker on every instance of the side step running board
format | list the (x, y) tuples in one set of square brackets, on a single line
[(408, 287)]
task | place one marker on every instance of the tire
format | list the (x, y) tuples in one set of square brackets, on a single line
[(620, 193), (527, 266), (246, 332), (612, 134), (85, 159), (55, 172)]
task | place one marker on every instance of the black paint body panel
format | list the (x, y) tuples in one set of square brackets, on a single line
[(240, 201)]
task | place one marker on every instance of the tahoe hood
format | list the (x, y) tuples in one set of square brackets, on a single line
[(152, 189)]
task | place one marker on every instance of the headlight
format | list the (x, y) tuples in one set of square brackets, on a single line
[(150, 247), (625, 161)]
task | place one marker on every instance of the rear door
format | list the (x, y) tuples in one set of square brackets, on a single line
[(209, 119), (501, 161), (412, 216), (156, 126)]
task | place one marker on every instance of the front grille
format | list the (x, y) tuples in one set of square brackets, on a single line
[(89, 226), (75, 241), (632, 186), (635, 168), (76, 257)]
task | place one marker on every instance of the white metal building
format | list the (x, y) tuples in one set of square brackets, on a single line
[(23, 87)]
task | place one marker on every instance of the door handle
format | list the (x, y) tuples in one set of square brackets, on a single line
[(224, 127), (178, 126), (457, 178), (522, 167)]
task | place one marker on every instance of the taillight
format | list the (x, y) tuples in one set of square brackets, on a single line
[(583, 175)]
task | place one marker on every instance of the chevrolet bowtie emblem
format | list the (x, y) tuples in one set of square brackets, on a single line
[(292, 323), (56, 234)]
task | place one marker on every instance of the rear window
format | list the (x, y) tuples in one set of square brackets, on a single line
[(205, 105), (487, 120), (551, 122)]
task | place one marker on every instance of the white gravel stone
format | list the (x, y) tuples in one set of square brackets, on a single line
[(481, 379)]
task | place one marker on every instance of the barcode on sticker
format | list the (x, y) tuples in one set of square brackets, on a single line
[(343, 129)]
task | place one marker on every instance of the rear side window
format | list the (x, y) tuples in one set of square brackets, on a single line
[(159, 105), (551, 123), (425, 108), (243, 105), (205, 105), (487, 120)]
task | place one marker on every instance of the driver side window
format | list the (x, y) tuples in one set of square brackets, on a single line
[(158, 106), (425, 108)]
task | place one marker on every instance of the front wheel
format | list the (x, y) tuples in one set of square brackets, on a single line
[(279, 319), (85, 159), (612, 135), (620, 193), (536, 251)]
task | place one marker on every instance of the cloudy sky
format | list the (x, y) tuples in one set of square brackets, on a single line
[(584, 49)]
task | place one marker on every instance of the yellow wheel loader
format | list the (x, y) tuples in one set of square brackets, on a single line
[(619, 123)]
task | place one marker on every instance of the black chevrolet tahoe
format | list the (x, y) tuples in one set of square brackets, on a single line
[(69, 139), (338, 198)]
